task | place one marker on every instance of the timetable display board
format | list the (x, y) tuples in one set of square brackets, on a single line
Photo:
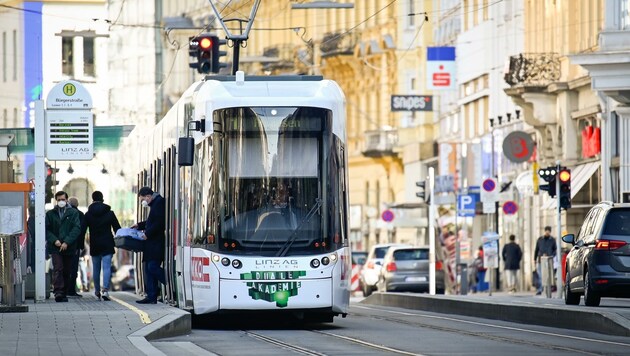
[(69, 135)]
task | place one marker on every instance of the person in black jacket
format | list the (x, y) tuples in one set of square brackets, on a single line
[(101, 220), (154, 235), (512, 256), (71, 284)]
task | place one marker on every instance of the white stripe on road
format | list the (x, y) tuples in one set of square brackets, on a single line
[(495, 326)]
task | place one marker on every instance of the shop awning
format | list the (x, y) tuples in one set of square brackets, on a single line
[(579, 176)]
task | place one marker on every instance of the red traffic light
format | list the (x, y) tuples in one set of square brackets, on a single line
[(565, 176), (205, 43)]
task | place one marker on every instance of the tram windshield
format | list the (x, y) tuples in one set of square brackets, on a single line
[(274, 180)]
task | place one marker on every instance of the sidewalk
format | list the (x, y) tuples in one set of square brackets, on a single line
[(612, 317), (87, 326)]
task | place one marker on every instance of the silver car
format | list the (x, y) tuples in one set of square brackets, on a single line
[(407, 269), (371, 270)]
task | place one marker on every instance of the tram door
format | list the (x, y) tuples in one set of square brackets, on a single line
[(170, 193)]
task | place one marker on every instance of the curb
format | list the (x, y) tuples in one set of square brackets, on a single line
[(599, 322), (174, 324)]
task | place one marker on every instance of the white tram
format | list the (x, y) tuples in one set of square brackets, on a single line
[(254, 172)]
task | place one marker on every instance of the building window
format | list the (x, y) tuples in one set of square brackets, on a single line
[(5, 118), (4, 56), (15, 55), (67, 59), (88, 57), (411, 17), (614, 138), (624, 13), (16, 123)]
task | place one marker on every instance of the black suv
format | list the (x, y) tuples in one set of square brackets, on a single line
[(598, 265)]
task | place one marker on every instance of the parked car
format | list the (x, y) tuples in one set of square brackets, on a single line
[(372, 268), (598, 265), (124, 278), (406, 269), (358, 258)]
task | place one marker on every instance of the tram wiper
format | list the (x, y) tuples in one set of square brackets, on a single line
[(287, 245)]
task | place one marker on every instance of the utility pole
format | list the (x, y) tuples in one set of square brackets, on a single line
[(431, 231), (560, 287)]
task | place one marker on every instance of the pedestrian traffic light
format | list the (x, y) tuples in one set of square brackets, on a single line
[(423, 194), (549, 175), (565, 188), (217, 53)]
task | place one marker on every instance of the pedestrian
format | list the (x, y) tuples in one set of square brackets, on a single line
[(545, 246), (512, 255), (482, 285), (62, 232), (102, 223), (154, 236), (72, 281)]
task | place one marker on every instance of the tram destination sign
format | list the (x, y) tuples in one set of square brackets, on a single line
[(69, 135)]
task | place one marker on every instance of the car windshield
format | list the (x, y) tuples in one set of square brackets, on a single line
[(358, 258), (411, 254), (618, 223), (380, 252)]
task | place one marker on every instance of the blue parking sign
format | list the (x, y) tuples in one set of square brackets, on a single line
[(466, 205)]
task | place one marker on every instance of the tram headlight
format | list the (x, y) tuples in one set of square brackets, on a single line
[(216, 258), (325, 261), (333, 257), (315, 263), (225, 261), (237, 264)]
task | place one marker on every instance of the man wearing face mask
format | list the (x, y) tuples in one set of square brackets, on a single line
[(63, 228), (154, 236)]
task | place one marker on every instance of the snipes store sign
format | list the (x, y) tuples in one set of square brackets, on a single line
[(412, 103), (284, 285)]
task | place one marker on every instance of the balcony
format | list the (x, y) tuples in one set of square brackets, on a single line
[(380, 143), (338, 43), (533, 69)]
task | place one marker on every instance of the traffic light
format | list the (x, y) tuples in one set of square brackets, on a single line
[(217, 53), (549, 175), (205, 49), (565, 188), (423, 194)]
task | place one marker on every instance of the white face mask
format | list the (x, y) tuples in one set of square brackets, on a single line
[(61, 204), (145, 204)]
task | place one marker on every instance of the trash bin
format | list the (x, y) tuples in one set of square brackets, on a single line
[(11, 296)]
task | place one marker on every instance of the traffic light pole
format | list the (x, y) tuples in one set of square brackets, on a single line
[(431, 226), (559, 286)]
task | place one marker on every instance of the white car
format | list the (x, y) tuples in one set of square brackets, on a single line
[(372, 268)]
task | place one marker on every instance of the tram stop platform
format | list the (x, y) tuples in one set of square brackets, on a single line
[(611, 317), (88, 326)]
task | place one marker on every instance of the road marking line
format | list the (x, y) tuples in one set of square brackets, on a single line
[(144, 317), (496, 326)]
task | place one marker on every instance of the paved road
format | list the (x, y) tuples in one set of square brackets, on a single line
[(376, 330)]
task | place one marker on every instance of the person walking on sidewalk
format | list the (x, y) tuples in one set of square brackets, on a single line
[(102, 223), (154, 235), (72, 281), (62, 232), (545, 246), (482, 285), (512, 255)]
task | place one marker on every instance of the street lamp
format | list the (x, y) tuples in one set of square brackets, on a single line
[(322, 5)]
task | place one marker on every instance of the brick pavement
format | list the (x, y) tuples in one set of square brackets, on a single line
[(83, 326)]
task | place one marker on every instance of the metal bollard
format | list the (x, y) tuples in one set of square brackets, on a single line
[(463, 272)]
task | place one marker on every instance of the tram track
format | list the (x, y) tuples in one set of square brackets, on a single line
[(306, 351), (485, 335)]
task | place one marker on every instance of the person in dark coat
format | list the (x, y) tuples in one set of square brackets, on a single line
[(545, 247), (72, 281), (154, 235), (62, 232), (103, 224), (512, 256)]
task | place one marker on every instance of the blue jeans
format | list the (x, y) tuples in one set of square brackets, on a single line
[(96, 271), (153, 273), (482, 285)]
